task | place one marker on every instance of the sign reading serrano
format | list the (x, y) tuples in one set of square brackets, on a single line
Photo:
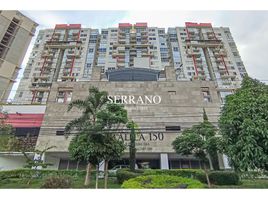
[(131, 99)]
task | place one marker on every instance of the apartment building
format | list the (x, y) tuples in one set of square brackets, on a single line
[(197, 51), (189, 68), (200, 51), (16, 32)]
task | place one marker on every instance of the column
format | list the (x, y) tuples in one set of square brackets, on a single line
[(164, 161), (226, 162), (101, 166)]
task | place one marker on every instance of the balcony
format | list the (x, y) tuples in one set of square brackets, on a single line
[(120, 55), (40, 89), (67, 77), (204, 43), (227, 76), (67, 66), (47, 54), (69, 61), (62, 44)]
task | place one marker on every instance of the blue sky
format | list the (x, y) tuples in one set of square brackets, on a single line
[(249, 28)]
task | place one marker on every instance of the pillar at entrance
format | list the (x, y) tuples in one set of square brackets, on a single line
[(164, 161), (101, 166), (226, 162)]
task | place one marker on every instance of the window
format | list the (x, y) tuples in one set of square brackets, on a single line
[(239, 64), (64, 96), (93, 36), (164, 60), (172, 92), (173, 128), (175, 49), (102, 49), (235, 54), (206, 94), (163, 49), (21, 93), (60, 132)]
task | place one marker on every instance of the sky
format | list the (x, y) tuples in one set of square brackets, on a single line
[(249, 28)]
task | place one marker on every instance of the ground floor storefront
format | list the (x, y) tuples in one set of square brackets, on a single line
[(61, 160)]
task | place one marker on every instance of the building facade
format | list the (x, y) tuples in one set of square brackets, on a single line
[(16, 32), (26, 121), (186, 68), (171, 106), (69, 53)]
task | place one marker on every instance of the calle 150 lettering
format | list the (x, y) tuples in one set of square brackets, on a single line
[(142, 136)]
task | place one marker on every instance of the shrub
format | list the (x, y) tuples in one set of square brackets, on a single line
[(30, 173), (161, 181), (216, 177), (186, 173), (224, 178), (125, 174), (57, 182)]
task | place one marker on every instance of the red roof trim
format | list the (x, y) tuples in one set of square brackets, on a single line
[(124, 25), (68, 26), (194, 24), (141, 24), (25, 120)]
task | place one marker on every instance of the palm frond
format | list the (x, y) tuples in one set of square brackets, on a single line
[(76, 123), (80, 104)]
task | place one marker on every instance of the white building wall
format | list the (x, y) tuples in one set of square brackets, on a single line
[(11, 161)]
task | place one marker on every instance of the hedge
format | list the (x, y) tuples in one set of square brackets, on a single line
[(29, 173), (224, 178), (161, 181), (125, 174), (216, 177), (187, 173), (57, 182)]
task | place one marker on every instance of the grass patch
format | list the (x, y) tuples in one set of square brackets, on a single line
[(247, 183), (78, 182)]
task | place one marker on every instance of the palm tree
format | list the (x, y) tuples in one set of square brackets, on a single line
[(93, 104)]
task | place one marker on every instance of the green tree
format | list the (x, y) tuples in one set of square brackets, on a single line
[(5, 129), (97, 128), (38, 162), (244, 126), (200, 141), (8, 139), (132, 148), (111, 119), (95, 101), (87, 147)]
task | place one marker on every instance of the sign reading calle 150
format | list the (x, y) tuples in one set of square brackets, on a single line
[(142, 137)]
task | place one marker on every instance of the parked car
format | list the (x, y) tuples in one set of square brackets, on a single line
[(117, 167), (114, 170)]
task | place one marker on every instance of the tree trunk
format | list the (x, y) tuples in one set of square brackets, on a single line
[(207, 177), (87, 179), (132, 150), (210, 161), (105, 173), (97, 176)]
